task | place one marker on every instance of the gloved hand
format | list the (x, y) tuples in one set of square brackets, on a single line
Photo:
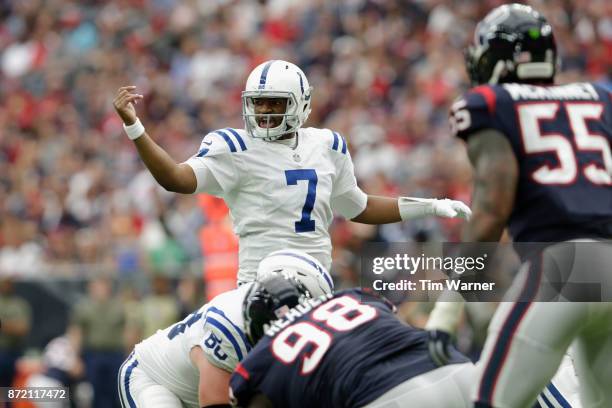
[(438, 344), (411, 208), (451, 209)]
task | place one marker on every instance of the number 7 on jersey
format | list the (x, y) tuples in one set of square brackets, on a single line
[(305, 224)]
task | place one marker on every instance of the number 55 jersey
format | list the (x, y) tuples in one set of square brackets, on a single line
[(279, 194), (561, 137), (345, 349)]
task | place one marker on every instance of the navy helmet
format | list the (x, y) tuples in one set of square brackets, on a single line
[(269, 300), (513, 43)]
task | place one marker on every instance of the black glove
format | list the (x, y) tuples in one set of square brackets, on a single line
[(438, 343)]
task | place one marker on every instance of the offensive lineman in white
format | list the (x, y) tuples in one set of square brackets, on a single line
[(190, 363), (280, 181)]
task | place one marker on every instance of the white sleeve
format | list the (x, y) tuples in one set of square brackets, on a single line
[(214, 165), (345, 177), (350, 204), (564, 388), (207, 183), (224, 344)]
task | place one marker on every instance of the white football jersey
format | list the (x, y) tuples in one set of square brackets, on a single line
[(279, 196), (217, 327)]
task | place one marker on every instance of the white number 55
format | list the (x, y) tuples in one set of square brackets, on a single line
[(534, 141)]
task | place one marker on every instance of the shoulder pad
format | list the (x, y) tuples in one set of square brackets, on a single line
[(604, 89), (337, 142), (473, 111), (606, 86), (224, 343), (367, 295), (222, 141)]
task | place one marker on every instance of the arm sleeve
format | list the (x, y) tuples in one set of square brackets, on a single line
[(214, 166), (350, 204), (257, 373), (223, 344), (240, 388), (474, 111), (207, 183), (345, 178)]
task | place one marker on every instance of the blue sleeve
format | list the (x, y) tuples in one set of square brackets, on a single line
[(247, 379), (474, 111), (606, 85), (240, 388), (369, 296)]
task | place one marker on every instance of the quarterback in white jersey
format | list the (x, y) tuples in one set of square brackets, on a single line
[(190, 363), (288, 195), (281, 182)]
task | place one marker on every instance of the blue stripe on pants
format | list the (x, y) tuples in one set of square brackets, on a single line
[(126, 379), (502, 346), (119, 374)]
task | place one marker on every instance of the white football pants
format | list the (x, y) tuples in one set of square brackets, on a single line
[(138, 390), (528, 340), (444, 387)]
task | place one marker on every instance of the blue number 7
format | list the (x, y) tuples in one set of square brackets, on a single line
[(305, 224)]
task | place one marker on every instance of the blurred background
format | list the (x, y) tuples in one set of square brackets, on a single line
[(94, 255)]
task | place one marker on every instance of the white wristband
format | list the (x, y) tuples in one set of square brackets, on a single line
[(135, 130), (411, 208)]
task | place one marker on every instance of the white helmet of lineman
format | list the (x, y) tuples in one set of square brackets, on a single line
[(300, 266), (276, 79)]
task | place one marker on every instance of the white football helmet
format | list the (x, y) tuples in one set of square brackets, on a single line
[(276, 79), (299, 265)]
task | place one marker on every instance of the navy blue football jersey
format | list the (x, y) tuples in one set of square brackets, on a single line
[(341, 350), (561, 136)]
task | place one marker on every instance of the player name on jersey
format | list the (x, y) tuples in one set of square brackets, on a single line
[(577, 91), (561, 137), (292, 314)]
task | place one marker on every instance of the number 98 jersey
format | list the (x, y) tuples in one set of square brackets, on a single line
[(345, 349), (561, 137)]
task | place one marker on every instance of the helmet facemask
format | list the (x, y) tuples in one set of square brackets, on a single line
[(276, 79), (290, 118)]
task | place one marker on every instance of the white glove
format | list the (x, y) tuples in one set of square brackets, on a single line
[(451, 209), (411, 208)]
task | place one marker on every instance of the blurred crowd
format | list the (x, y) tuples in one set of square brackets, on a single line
[(84, 351), (75, 199)]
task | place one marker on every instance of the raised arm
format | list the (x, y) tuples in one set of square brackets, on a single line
[(173, 176)]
